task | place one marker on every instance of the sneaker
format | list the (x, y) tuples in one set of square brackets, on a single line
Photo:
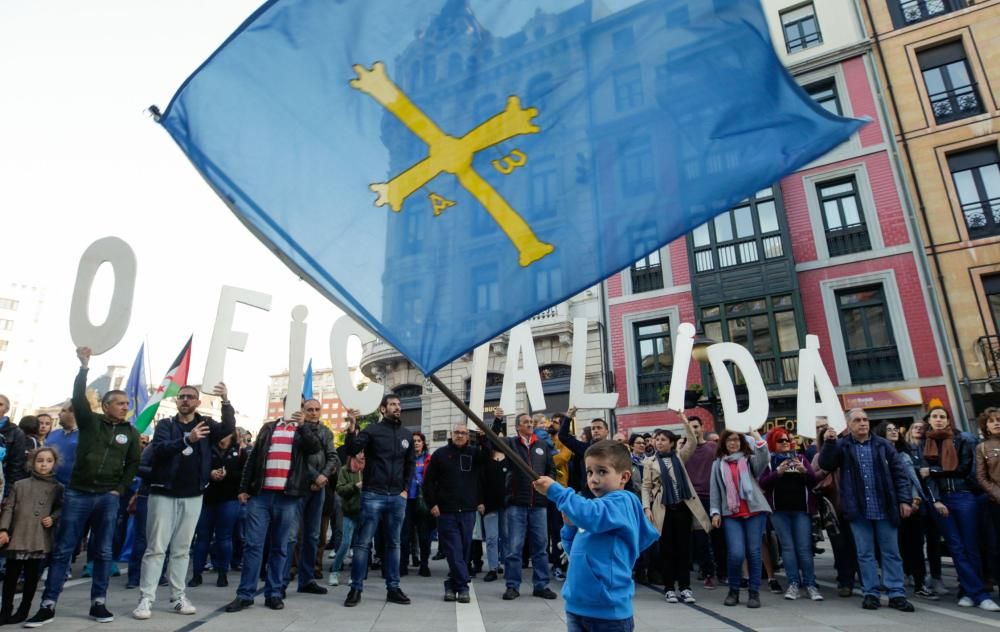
[(511, 594), (670, 596), (687, 596), (814, 593), (871, 602), (88, 569), (558, 574), (490, 576), (463, 597), (775, 586), (936, 585), (732, 598), (988, 605), (753, 600), (144, 610), (844, 591), (238, 604), (332, 555), (901, 604), (183, 606), (709, 583), (923, 593), (544, 593), (43, 616), (793, 592), (115, 571), (966, 602), (449, 595), (100, 613), (334, 579)]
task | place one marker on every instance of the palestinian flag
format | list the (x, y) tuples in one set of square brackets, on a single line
[(175, 378)]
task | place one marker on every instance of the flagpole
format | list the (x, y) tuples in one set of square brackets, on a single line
[(501, 445)]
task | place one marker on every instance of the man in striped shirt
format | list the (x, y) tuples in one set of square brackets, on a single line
[(275, 480)]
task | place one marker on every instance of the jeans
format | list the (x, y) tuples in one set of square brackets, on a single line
[(376, 509), (494, 525), (529, 523), (794, 530), (866, 534), (215, 532), (138, 540), (101, 509), (170, 524), (312, 519), (743, 541), (280, 513), (959, 531), (454, 539), (346, 535), (576, 623)]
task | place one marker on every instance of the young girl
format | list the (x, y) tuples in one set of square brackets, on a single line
[(26, 527)]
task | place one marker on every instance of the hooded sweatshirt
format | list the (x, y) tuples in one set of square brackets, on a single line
[(606, 538)]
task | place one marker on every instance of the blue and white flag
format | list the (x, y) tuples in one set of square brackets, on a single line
[(445, 169), (135, 387), (307, 382)]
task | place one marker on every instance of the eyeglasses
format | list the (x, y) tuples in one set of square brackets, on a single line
[(459, 432), (187, 396), (312, 410), (891, 429)]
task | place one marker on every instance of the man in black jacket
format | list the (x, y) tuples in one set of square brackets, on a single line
[(389, 466), (526, 513), (275, 480), (181, 470), (453, 489)]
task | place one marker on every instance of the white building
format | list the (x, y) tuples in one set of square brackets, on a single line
[(21, 360)]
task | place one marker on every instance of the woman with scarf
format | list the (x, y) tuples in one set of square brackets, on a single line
[(672, 505), (417, 520), (945, 460), (738, 505), (637, 448), (788, 482)]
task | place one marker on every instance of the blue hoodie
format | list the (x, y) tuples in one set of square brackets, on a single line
[(608, 535)]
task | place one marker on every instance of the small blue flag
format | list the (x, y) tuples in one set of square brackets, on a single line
[(445, 169), (135, 387), (307, 382)]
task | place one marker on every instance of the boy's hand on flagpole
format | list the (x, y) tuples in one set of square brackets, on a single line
[(542, 484)]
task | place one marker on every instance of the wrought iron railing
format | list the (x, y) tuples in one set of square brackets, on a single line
[(650, 385), (919, 10), (989, 348), (847, 240), (879, 364), (647, 278), (957, 103), (982, 218)]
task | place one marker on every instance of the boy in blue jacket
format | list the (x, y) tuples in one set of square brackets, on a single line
[(603, 537)]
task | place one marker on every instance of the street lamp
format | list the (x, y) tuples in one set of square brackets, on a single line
[(699, 350)]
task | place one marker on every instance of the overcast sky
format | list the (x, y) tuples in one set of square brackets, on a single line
[(80, 160)]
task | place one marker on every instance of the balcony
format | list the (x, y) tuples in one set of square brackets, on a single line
[(647, 278), (955, 104), (374, 354), (847, 240), (982, 218), (989, 349), (553, 321), (913, 11), (649, 387), (868, 366)]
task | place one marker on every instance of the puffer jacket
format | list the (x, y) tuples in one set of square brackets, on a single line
[(389, 456), (520, 491)]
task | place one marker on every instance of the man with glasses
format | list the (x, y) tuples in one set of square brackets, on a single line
[(322, 466), (181, 469), (453, 489), (109, 459)]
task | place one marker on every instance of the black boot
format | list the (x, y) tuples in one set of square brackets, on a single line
[(22, 613), (5, 614), (222, 581), (732, 598)]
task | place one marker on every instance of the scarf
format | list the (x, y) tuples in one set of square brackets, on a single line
[(734, 493), (673, 496), (947, 457)]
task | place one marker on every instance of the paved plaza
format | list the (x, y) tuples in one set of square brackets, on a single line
[(487, 612)]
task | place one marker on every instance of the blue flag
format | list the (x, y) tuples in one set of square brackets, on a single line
[(307, 382), (445, 169), (135, 387)]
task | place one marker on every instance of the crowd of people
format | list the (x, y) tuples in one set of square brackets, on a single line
[(728, 509)]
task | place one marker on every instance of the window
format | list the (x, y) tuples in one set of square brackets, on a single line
[(991, 286), (976, 174), (647, 273), (746, 234), (654, 355), (843, 217), (948, 79), (825, 94), (544, 186), (628, 88), (8, 303), (485, 289), (635, 166), (6, 325), (801, 28), (767, 327), (906, 12), (871, 347), (548, 279)]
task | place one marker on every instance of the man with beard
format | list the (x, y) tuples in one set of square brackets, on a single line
[(181, 465), (389, 466)]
